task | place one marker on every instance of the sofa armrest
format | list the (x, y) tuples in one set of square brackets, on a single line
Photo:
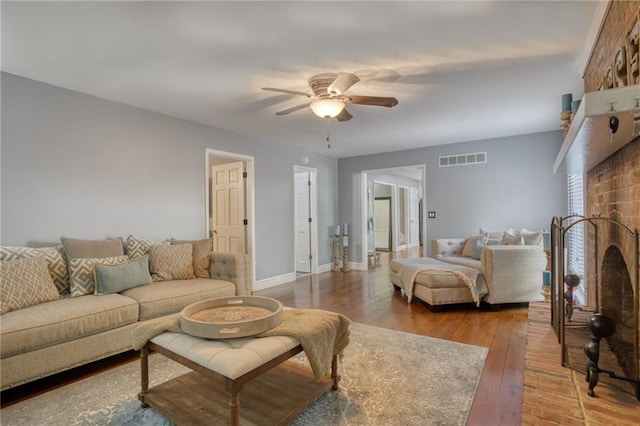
[(447, 247), (229, 267), (513, 273)]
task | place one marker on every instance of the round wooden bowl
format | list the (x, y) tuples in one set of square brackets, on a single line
[(231, 317)]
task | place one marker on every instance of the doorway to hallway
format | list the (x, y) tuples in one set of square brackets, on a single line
[(229, 193)]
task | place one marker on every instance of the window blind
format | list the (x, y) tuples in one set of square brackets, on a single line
[(575, 237)]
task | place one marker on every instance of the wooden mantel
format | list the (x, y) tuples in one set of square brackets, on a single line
[(589, 139)]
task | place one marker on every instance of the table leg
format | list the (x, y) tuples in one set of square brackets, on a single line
[(234, 408), (334, 372), (144, 375)]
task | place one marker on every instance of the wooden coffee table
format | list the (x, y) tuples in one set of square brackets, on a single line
[(274, 391)]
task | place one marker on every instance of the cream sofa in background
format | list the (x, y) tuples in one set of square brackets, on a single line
[(46, 338), (509, 274), (512, 273)]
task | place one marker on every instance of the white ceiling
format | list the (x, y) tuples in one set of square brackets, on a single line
[(463, 70)]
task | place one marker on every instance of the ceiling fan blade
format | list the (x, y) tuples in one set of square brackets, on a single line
[(344, 115), (372, 100), (288, 92), (342, 83), (295, 108)]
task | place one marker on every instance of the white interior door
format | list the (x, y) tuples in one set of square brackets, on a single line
[(414, 217), (228, 207), (303, 224), (382, 223)]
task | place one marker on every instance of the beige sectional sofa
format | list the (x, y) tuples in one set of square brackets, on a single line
[(512, 273), (505, 273), (50, 336)]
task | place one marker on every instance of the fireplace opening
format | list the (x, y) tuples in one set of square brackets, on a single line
[(616, 296)]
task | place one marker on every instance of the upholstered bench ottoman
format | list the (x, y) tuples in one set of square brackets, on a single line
[(278, 394), (435, 286)]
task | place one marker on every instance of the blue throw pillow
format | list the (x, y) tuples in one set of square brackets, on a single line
[(477, 251), (117, 278)]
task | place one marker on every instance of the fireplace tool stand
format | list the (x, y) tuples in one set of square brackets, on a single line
[(601, 326)]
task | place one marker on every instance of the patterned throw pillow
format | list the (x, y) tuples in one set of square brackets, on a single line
[(55, 257), (494, 234), (201, 251), (137, 247), (25, 282), (81, 271), (512, 240), (173, 262)]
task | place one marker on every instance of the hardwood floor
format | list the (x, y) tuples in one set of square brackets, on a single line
[(368, 297)]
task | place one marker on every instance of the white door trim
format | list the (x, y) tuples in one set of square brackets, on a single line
[(313, 211), (249, 206)]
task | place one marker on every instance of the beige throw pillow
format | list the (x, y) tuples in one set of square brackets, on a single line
[(201, 251), (531, 238), (25, 282), (470, 244), (512, 240), (55, 257), (76, 248), (174, 262)]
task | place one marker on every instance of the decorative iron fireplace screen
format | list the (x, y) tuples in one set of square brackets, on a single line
[(592, 335)]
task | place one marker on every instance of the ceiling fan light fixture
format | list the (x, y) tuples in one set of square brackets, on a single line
[(326, 108)]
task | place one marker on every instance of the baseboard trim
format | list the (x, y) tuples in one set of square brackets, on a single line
[(274, 281), (291, 276)]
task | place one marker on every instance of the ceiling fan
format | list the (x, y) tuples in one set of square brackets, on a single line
[(329, 98)]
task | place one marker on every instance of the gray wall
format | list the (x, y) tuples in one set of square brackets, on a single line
[(80, 166), (515, 188)]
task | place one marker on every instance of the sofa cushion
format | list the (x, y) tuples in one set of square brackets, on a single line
[(461, 260), (117, 278), (63, 320), (77, 248), (56, 261), (173, 262), (137, 247), (25, 282), (438, 279), (201, 251), (81, 272), (168, 297)]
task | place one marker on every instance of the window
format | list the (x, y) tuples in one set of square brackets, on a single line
[(574, 238)]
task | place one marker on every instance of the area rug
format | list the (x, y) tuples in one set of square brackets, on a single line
[(388, 378)]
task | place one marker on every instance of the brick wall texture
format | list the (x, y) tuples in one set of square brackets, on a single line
[(613, 186), (619, 21)]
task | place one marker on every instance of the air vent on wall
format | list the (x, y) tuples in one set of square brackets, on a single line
[(462, 159)]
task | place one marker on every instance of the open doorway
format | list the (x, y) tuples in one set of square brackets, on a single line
[(406, 219), (230, 205), (383, 217), (305, 218)]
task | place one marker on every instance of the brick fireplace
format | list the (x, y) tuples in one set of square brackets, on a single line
[(612, 190), (612, 208)]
